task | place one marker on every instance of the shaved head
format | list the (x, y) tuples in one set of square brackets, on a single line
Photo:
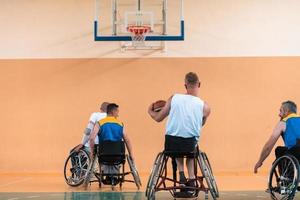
[(103, 106)]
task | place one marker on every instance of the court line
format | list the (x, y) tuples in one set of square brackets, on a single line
[(57, 195), (15, 198), (17, 181), (263, 197), (240, 194), (31, 197)]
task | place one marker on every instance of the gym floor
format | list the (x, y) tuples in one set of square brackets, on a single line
[(52, 187)]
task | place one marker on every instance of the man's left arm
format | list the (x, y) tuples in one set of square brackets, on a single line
[(280, 127), (206, 112), (128, 144)]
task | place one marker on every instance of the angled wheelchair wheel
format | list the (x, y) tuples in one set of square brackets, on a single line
[(154, 176), (134, 172), (76, 167), (208, 174), (89, 172), (284, 178)]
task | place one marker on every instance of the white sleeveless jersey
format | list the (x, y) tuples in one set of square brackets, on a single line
[(95, 117), (185, 117)]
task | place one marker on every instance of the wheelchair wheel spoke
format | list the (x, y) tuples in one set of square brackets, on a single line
[(286, 168), (283, 179), (75, 167)]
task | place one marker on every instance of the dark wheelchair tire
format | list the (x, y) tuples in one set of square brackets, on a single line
[(208, 175), (279, 179), (69, 180), (154, 176), (134, 172)]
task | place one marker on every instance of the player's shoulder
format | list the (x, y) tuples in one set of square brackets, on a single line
[(98, 115), (111, 121)]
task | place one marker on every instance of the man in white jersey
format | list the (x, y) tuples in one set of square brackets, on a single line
[(187, 114), (95, 117)]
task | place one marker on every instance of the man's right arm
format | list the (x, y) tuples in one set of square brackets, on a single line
[(92, 139), (280, 127), (163, 113), (206, 112)]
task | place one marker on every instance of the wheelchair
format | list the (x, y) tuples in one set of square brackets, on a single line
[(284, 178), (160, 180), (80, 169)]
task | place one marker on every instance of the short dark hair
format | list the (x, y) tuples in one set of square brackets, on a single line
[(191, 79), (103, 106), (111, 107), (290, 105)]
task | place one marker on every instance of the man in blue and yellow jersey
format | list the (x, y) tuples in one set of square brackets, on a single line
[(110, 129), (289, 128)]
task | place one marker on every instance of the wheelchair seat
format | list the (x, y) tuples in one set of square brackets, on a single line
[(179, 154)]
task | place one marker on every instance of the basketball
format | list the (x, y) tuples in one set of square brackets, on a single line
[(158, 105)]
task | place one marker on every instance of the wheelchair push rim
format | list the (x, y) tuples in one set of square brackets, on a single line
[(75, 168), (154, 176), (208, 174), (134, 172), (284, 178)]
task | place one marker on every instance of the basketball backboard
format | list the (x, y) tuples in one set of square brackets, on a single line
[(164, 19)]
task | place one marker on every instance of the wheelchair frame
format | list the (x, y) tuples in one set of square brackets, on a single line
[(284, 178), (85, 177), (159, 176)]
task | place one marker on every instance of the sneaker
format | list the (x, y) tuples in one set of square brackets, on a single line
[(191, 183)]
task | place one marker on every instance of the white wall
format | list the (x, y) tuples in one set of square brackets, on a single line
[(64, 29)]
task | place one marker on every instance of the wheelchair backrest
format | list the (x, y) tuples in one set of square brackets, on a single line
[(111, 152), (112, 148)]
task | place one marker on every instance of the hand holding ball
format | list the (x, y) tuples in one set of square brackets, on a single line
[(158, 105)]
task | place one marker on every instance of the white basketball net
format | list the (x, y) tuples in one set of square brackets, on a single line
[(138, 34)]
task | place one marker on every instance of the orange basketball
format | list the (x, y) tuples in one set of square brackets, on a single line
[(158, 105)]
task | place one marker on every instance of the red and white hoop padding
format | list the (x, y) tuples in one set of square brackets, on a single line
[(139, 30)]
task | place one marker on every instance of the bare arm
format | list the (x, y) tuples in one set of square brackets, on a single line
[(128, 144), (86, 135), (206, 112), (92, 138), (280, 127), (162, 114)]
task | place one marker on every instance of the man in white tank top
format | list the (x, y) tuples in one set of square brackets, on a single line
[(187, 114), (95, 117)]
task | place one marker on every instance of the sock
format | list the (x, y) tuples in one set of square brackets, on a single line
[(182, 177)]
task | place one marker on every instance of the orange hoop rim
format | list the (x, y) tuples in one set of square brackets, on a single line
[(138, 30)]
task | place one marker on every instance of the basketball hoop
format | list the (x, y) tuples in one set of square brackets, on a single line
[(138, 34)]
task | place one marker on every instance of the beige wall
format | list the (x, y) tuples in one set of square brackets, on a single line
[(45, 105), (64, 29)]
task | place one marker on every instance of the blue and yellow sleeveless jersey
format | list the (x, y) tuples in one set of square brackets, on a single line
[(292, 130), (111, 129)]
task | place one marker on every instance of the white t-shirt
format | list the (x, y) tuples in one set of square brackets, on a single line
[(95, 117), (185, 117)]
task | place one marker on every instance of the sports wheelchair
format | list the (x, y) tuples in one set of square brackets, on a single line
[(80, 169), (159, 179), (284, 178)]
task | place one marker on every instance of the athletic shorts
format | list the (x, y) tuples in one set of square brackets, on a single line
[(180, 144)]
